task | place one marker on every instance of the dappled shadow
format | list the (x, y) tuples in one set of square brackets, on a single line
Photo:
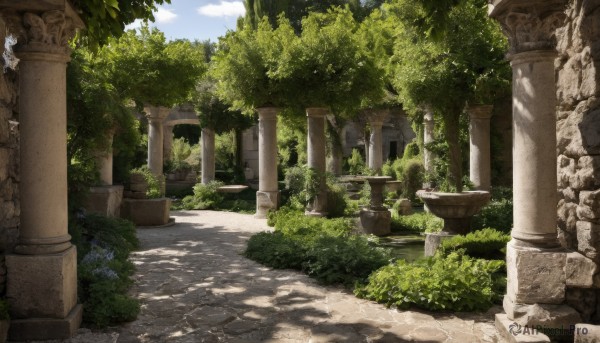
[(195, 286)]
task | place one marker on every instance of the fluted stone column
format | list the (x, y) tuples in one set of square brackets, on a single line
[(376, 119), (156, 116), (167, 142), (42, 274), (535, 263), (317, 157), (267, 197), (479, 152), (428, 137), (208, 155)]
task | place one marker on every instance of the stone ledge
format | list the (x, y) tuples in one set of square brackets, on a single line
[(513, 333), (587, 333)]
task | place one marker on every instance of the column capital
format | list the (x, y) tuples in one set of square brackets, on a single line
[(376, 117), (480, 111), (157, 113), (41, 26), (529, 25), (267, 113), (317, 111)]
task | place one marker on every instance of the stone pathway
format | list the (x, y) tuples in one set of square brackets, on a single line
[(196, 287)]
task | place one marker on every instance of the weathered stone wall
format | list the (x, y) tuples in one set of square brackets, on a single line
[(578, 92)]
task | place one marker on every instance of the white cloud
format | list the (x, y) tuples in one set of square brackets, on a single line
[(135, 25), (163, 15), (223, 9)]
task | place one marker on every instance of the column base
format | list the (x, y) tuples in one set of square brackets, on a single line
[(266, 201), (535, 276), (105, 200), (34, 329), (434, 240), (376, 222)]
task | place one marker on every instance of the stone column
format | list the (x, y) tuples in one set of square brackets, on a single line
[(156, 116), (535, 263), (479, 134), (267, 197), (428, 137), (376, 119), (42, 275), (208, 155), (317, 157), (167, 142), (105, 163)]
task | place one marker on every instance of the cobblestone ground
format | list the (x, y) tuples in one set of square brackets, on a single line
[(195, 286)]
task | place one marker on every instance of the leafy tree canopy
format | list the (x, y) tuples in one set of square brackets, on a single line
[(108, 18), (151, 71)]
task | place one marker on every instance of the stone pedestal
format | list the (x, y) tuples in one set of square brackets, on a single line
[(428, 137), (479, 152), (434, 240), (317, 157), (376, 119), (105, 165), (42, 275), (208, 155), (147, 212), (156, 115), (267, 197), (376, 219), (105, 200)]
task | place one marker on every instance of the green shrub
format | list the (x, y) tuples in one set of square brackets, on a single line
[(498, 215), (337, 199), (205, 197), (154, 183), (388, 169), (410, 151), (323, 248), (452, 283), (417, 222), (356, 163), (487, 243), (345, 260), (104, 271), (275, 250), (412, 178)]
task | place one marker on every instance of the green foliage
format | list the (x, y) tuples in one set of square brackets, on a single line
[(498, 214), (151, 71), (356, 163), (205, 197), (337, 199), (411, 150), (487, 244), (452, 283), (323, 248), (416, 222), (410, 171), (104, 271), (388, 170), (154, 190), (107, 18)]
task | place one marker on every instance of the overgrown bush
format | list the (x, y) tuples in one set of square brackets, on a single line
[(411, 172), (205, 197), (417, 222), (498, 214), (452, 283), (356, 163), (323, 248), (411, 150), (104, 271), (487, 244), (154, 183)]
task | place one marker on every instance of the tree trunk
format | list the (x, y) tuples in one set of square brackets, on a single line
[(452, 128)]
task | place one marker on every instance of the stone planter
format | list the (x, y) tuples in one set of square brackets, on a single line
[(456, 209), (393, 186), (376, 218), (147, 212)]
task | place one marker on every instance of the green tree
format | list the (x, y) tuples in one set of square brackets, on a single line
[(151, 71), (466, 67), (108, 18)]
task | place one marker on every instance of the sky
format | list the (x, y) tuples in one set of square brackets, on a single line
[(196, 19)]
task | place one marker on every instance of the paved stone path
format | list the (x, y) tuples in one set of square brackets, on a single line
[(196, 287)]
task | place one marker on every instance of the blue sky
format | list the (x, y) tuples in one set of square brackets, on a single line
[(197, 19)]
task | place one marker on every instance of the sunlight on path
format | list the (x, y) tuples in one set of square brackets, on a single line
[(196, 287)]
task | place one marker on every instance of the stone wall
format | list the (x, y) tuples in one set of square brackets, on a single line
[(9, 154), (578, 92)]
